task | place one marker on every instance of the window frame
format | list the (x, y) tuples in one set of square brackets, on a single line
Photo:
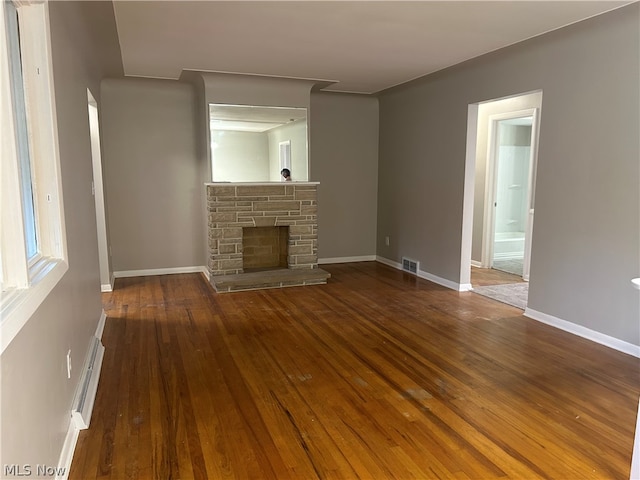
[(26, 283)]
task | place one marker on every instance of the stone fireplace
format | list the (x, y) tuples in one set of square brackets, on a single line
[(263, 235)]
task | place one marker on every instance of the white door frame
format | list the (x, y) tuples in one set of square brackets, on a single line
[(488, 228), (106, 276)]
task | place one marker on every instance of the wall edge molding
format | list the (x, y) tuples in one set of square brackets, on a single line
[(68, 449), (584, 332), (101, 324), (160, 271), (360, 258), (428, 276)]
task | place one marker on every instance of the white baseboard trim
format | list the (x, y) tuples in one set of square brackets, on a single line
[(443, 281), (207, 274), (108, 287), (429, 276), (584, 332), (475, 263), (160, 271), (361, 258), (388, 262), (68, 448)]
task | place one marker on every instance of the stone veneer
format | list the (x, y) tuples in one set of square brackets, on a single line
[(232, 207)]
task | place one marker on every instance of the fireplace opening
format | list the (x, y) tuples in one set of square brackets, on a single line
[(264, 248)]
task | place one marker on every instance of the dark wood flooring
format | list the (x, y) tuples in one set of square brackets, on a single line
[(375, 375)]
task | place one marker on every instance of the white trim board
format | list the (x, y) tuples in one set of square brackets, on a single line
[(584, 332), (73, 431), (101, 323), (635, 456), (361, 258), (207, 274), (160, 271), (108, 287), (459, 287), (68, 448)]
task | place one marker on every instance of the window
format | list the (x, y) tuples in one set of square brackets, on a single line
[(21, 131), (32, 243)]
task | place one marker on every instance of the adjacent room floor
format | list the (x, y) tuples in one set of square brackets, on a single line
[(501, 286), (377, 374)]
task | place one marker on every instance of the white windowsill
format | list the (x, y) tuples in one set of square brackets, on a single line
[(18, 305)]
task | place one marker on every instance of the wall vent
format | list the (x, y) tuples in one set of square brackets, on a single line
[(409, 265)]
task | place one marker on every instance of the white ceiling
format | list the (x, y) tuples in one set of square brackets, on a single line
[(364, 46), (248, 118)]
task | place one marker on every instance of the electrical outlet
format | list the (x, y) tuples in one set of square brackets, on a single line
[(386, 240), (69, 364)]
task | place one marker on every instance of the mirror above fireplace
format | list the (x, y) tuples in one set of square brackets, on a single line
[(251, 143)]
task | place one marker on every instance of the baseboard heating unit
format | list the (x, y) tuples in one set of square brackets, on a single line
[(86, 395)]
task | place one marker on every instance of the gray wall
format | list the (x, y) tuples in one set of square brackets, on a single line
[(36, 394), (587, 224), (153, 174), (344, 158)]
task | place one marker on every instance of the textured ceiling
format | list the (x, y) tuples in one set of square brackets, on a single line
[(363, 46)]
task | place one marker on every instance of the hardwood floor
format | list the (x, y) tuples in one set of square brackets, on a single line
[(375, 375), (481, 277)]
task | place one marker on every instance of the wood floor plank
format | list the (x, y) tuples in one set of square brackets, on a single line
[(377, 374), (490, 276)]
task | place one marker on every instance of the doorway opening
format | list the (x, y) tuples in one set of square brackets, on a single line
[(508, 206), (106, 278), (498, 211)]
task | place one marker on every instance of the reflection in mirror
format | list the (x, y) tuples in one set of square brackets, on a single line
[(254, 143)]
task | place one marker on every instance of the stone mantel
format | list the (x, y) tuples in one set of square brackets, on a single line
[(234, 206)]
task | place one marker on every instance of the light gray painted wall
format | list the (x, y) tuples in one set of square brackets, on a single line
[(344, 159), (485, 110), (36, 394), (152, 165), (154, 175), (586, 233), (237, 89)]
